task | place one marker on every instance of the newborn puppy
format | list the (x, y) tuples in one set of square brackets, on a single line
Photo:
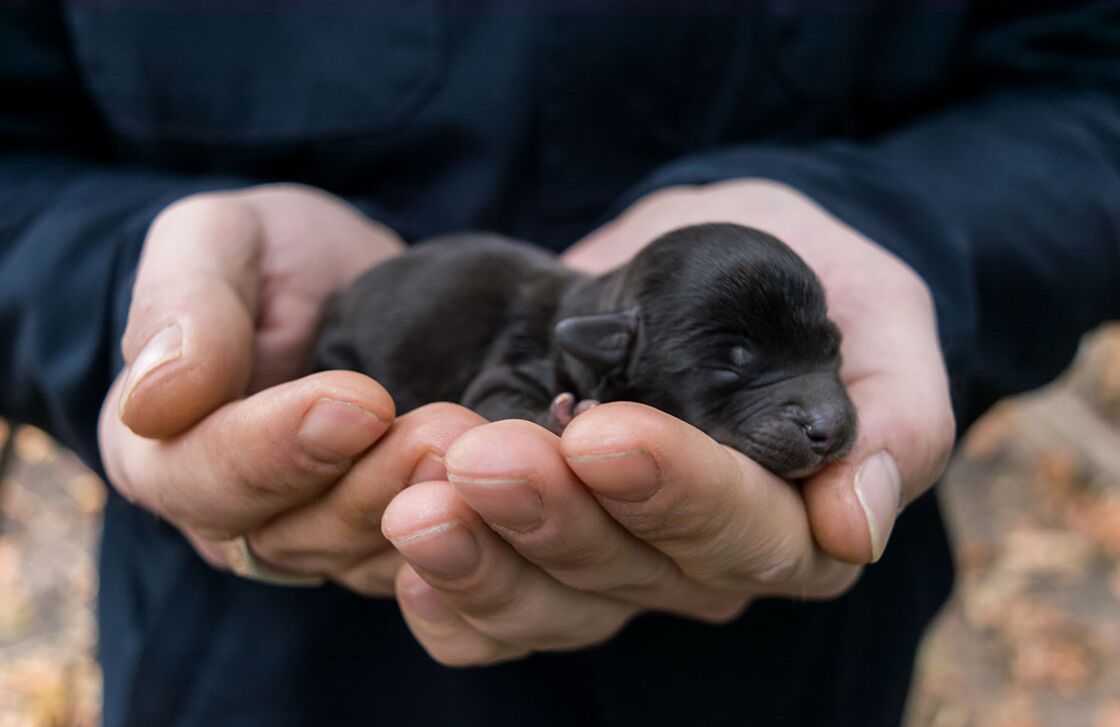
[(720, 325)]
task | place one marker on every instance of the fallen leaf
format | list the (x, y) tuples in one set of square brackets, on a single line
[(88, 492), (1099, 519), (1031, 618), (990, 435), (974, 555), (11, 555), (1061, 472), (985, 600), (1056, 663), (1047, 552), (33, 445), (17, 615), (1017, 710)]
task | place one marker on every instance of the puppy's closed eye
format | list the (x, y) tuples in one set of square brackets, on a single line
[(741, 355), (723, 376)]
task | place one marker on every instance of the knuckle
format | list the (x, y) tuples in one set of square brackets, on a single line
[(478, 598), (931, 440), (442, 416), (836, 583), (125, 486), (303, 466), (723, 610), (470, 650), (692, 528), (216, 211), (557, 552), (433, 427), (282, 479), (774, 562), (359, 514), (918, 291), (373, 577), (158, 496), (945, 431), (208, 530), (657, 573), (278, 552), (782, 560), (906, 285), (355, 387), (842, 584), (115, 471), (283, 190), (269, 487)]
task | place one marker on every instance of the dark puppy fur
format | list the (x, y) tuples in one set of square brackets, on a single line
[(720, 325)]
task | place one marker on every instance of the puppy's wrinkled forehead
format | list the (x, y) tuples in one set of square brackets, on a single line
[(730, 280)]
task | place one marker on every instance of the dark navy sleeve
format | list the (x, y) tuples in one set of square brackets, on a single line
[(71, 229), (70, 236), (1006, 201)]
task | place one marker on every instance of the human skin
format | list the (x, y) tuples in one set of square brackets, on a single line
[(515, 540), (539, 543), (218, 435)]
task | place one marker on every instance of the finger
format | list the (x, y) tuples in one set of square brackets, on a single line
[(342, 527), (512, 474), (723, 519), (316, 244), (213, 552), (189, 340), (372, 577), (906, 434), (251, 459), (482, 578), (443, 633)]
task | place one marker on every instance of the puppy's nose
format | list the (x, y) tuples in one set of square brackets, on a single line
[(829, 429)]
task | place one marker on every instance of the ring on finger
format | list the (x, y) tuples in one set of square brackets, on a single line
[(243, 562)]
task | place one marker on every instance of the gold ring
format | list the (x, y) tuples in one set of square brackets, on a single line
[(243, 563)]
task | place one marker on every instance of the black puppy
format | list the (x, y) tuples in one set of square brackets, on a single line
[(720, 325)]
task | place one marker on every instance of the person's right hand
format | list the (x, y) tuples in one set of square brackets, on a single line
[(209, 427)]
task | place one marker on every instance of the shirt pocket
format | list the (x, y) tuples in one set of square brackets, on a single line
[(246, 71)]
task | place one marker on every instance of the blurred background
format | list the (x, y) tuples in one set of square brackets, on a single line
[(1030, 638)]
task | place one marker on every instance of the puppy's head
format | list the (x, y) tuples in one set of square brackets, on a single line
[(725, 327)]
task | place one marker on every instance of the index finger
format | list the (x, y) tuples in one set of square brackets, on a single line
[(252, 459), (723, 519)]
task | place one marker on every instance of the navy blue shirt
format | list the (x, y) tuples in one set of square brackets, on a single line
[(979, 141)]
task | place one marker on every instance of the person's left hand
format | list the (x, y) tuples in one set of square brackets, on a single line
[(543, 543)]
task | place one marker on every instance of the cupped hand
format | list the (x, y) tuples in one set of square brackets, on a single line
[(209, 424), (542, 543)]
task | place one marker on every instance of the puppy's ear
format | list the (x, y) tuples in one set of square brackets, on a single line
[(602, 341)]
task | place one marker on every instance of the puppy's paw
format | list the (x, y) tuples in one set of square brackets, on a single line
[(564, 409)]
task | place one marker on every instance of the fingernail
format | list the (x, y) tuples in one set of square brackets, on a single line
[(507, 503), (447, 550), (427, 603), (878, 488), (164, 347), (631, 475), (335, 430)]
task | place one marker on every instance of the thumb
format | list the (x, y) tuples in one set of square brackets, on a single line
[(906, 435), (189, 340)]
